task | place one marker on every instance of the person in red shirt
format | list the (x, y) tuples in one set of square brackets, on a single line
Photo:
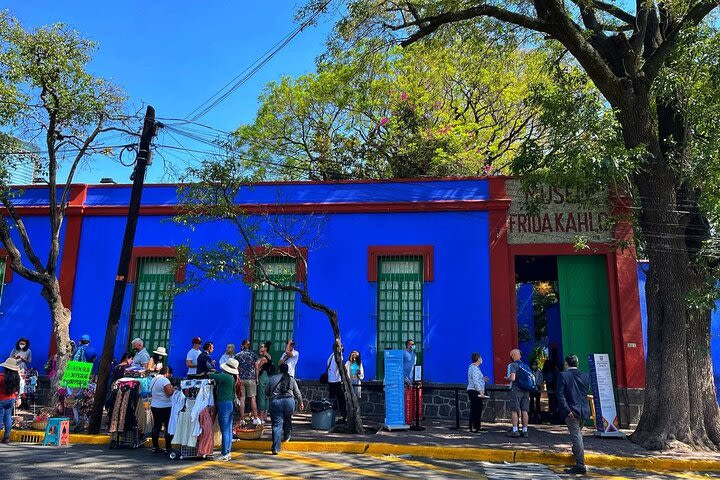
[(9, 388)]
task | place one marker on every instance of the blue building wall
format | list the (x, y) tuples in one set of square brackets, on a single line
[(23, 312), (457, 301), (643, 268)]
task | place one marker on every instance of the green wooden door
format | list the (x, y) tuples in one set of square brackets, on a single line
[(584, 306)]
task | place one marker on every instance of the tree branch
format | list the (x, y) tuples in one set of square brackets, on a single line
[(429, 25), (655, 60), (15, 257), (22, 231), (613, 10)]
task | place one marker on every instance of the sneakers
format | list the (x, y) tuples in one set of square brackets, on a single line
[(223, 458), (524, 434), (515, 434), (6, 440), (576, 470), (273, 452)]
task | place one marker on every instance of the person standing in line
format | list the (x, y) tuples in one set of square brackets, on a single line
[(205, 363), (535, 410), (158, 359), (84, 352), (142, 357), (247, 360), (192, 356), (226, 379), (265, 368), (356, 372), (9, 389), (476, 392), (519, 399), (409, 359), (572, 388), (22, 354), (290, 357), (283, 392), (336, 391), (160, 406), (229, 353)]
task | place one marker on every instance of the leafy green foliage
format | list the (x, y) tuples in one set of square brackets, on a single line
[(449, 107)]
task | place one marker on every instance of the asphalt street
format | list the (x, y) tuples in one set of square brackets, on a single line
[(81, 462)]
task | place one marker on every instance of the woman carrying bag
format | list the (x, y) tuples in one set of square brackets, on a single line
[(283, 392)]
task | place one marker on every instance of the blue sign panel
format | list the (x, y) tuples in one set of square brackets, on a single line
[(394, 390)]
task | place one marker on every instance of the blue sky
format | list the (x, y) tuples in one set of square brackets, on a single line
[(175, 54)]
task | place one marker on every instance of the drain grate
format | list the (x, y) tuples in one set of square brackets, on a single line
[(25, 437)]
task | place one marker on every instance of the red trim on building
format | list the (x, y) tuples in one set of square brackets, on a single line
[(343, 207), (8, 271), (300, 263), (424, 251), (502, 285), (144, 252)]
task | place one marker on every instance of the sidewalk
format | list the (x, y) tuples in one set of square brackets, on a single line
[(547, 444)]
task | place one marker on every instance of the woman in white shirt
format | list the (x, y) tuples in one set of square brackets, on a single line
[(161, 405), (476, 392)]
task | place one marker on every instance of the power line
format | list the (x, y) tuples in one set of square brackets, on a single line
[(219, 96)]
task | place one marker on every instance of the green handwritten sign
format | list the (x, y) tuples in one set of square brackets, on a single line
[(77, 374)]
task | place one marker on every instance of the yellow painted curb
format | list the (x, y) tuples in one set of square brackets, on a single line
[(429, 451)]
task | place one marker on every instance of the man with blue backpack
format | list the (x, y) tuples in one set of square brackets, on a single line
[(522, 382)]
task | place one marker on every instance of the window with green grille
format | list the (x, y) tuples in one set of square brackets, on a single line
[(273, 314), (399, 305), (152, 312)]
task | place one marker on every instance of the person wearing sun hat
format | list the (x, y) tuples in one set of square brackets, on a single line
[(226, 380), (9, 389), (157, 360)]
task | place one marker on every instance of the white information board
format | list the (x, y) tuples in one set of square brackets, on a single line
[(606, 419)]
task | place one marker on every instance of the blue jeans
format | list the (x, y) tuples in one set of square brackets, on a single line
[(281, 410), (225, 418), (6, 407)]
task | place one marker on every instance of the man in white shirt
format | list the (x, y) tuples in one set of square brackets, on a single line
[(192, 356), (290, 357)]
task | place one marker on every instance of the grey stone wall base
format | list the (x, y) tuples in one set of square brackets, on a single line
[(630, 405)]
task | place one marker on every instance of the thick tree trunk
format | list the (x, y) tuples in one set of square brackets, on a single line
[(60, 317), (680, 403)]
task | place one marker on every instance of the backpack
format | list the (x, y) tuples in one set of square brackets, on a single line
[(524, 378), (80, 354)]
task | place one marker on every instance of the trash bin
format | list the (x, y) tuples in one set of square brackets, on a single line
[(323, 414)]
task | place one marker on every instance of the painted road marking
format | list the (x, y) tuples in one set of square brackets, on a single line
[(341, 467), (261, 472), (419, 464), (187, 471)]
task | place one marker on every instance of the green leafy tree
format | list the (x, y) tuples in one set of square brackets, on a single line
[(48, 98), (654, 71), (447, 107), (211, 198)]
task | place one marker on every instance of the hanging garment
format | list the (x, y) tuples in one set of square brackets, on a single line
[(184, 427), (205, 441), (178, 402), (204, 399)]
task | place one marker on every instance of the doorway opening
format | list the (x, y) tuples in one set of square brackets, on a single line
[(563, 308)]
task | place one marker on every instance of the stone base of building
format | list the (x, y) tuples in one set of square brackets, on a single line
[(439, 401), (630, 405)]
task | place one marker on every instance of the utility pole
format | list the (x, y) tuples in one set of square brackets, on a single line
[(141, 162)]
